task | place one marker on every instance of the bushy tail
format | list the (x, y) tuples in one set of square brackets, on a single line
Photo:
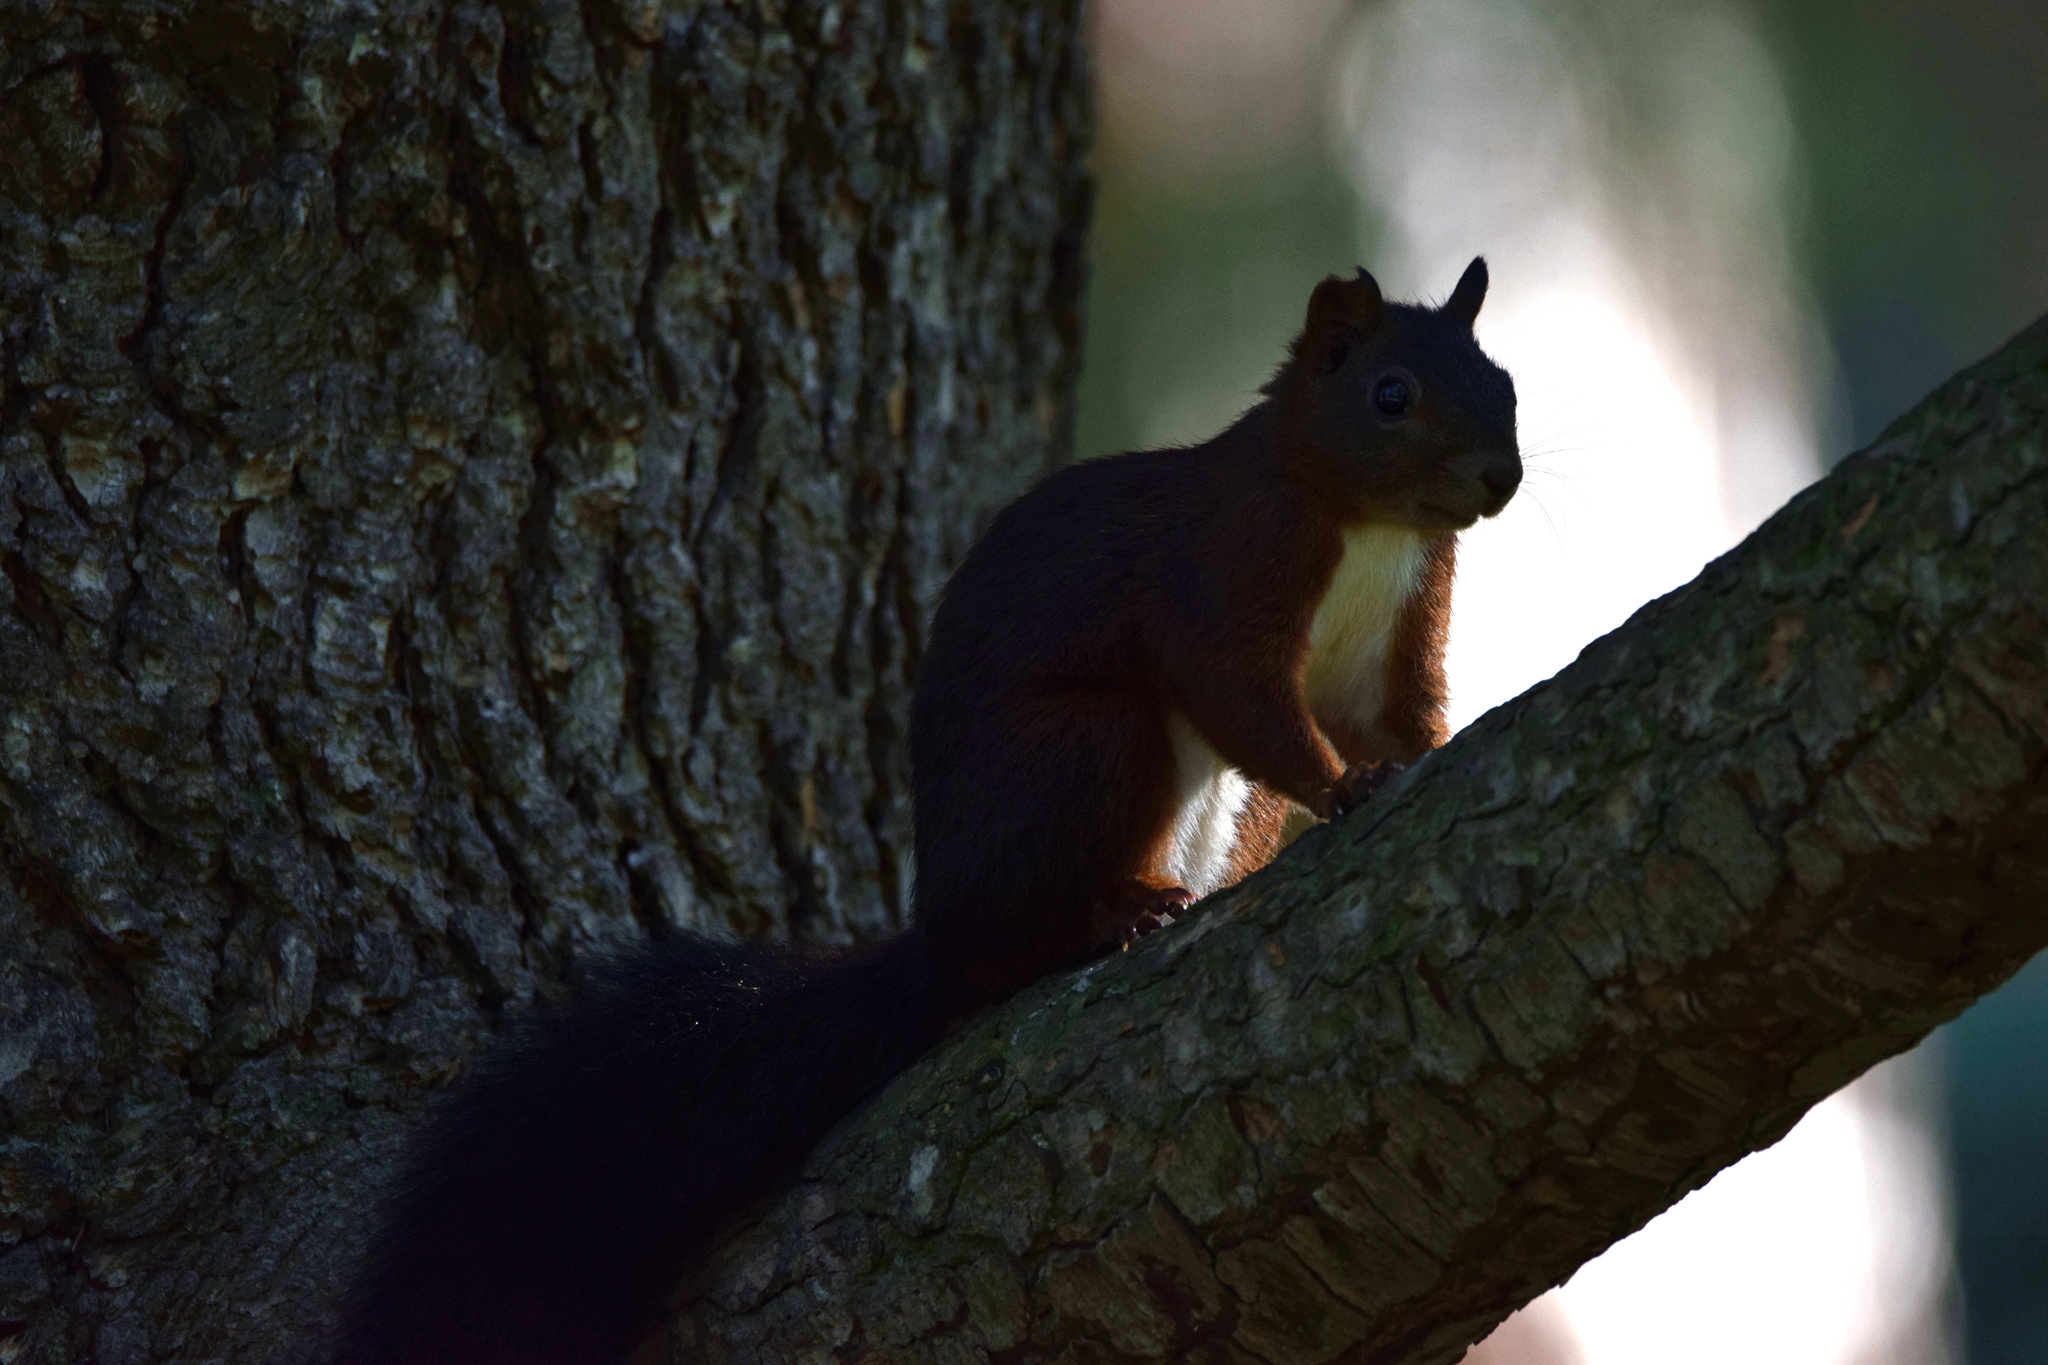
[(549, 1206)]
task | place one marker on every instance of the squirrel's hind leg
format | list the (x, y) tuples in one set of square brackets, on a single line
[(1051, 849), (1262, 831), (1143, 903)]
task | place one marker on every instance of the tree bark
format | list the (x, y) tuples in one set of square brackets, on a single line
[(475, 477), (1616, 935)]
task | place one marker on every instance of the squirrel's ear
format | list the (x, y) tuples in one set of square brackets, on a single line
[(1462, 307), (1342, 308)]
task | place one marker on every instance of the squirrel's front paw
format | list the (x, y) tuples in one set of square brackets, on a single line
[(1360, 781)]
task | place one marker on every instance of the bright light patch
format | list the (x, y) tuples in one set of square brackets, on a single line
[(1621, 500), (1821, 1249), (1632, 200), (1646, 304)]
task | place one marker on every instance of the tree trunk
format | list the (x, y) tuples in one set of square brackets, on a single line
[(1616, 935), (475, 477)]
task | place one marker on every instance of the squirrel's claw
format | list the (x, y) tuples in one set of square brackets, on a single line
[(1358, 783)]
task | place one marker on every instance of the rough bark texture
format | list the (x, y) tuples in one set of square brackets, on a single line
[(472, 479), (1619, 933)]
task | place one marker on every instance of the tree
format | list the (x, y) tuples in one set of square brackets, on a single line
[(474, 479)]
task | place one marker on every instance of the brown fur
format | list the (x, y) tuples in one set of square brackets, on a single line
[(1262, 831), (1411, 720), (1121, 592), (1417, 691)]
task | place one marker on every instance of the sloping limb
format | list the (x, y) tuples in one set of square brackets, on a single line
[(1618, 934)]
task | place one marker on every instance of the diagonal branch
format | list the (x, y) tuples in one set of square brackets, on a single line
[(1618, 934)]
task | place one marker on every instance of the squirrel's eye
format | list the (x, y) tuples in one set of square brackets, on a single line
[(1393, 396)]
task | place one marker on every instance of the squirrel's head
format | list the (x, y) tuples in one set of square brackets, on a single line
[(1397, 409)]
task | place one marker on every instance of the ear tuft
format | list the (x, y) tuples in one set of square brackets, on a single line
[(1340, 306), (1462, 307)]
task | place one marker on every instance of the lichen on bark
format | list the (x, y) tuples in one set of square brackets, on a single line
[(472, 481)]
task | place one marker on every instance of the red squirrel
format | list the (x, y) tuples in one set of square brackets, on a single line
[(1138, 667)]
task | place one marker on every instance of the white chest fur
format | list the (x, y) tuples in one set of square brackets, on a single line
[(1346, 678), (1208, 795)]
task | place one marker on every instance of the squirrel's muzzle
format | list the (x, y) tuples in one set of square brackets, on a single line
[(1486, 479)]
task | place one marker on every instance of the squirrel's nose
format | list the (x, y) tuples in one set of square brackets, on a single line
[(1501, 474)]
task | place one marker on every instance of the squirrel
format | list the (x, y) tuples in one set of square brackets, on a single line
[(1138, 667)]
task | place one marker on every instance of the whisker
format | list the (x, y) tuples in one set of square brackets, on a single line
[(1553, 443), (1564, 434), (1553, 478), (1548, 520)]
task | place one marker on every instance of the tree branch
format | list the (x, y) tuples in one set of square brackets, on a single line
[(1618, 934)]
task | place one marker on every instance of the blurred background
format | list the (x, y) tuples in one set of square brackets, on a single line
[(1730, 241)]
